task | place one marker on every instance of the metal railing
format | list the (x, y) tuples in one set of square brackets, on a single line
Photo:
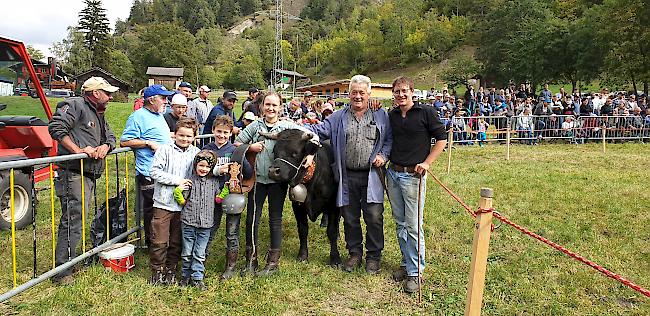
[(26, 168), (534, 129), (110, 174)]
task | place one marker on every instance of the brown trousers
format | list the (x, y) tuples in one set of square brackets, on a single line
[(165, 247)]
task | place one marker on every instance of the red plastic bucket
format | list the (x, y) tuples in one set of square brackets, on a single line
[(118, 258)]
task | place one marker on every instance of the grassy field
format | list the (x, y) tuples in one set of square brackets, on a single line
[(593, 203)]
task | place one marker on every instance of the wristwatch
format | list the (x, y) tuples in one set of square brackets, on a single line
[(146, 143)]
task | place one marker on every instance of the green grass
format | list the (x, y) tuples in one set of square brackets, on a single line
[(593, 203)]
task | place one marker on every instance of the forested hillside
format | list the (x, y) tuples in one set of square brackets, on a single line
[(570, 41)]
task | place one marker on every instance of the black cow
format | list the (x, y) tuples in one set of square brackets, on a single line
[(289, 151)]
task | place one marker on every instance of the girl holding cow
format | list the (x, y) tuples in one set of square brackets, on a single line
[(265, 187)]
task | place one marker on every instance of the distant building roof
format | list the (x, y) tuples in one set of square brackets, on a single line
[(290, 73), (163, 71), (344, 82), (103, 72)]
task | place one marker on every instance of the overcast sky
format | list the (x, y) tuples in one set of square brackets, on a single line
[(42, 22)]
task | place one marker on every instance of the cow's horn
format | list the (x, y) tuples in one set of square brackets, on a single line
[(306, 136), (273, 136)]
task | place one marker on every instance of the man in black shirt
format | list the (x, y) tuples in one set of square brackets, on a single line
[(413, 126)]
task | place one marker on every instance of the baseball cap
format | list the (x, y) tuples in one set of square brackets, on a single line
[(228, 95), (250, 116), (438, 94), (185, 84), (98, 83), (179, 99), (205, 88), (308, 93), (253, 90), (156, 89)]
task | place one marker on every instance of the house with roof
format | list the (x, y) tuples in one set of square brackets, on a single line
[(112, 79), (168, 77), (339, 88)]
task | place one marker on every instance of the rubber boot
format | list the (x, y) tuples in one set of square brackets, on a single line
[(272, 262), (251, 262), (231, 262)]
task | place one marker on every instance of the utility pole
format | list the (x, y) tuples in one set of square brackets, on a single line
[(278, 60)]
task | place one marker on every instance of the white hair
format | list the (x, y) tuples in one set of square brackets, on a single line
[(360, 79)]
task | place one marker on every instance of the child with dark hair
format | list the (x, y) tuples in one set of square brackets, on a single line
[(223, 147), (197, 217)]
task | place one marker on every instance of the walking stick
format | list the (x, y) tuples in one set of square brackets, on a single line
[(419, 250)]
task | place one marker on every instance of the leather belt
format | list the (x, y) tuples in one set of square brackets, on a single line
[(398, 168)]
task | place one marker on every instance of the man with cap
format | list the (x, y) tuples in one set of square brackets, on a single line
[(185, 88), (305, 105), (79, 126), (224, 107), (252, 94), (179, 107), (200, 107), (146, 129)]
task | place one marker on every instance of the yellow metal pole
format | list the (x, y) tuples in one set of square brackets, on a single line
[(83, 208), (52, 209), (13, 224), (108, 211), (126, 166), (480, 247), (508, 142)]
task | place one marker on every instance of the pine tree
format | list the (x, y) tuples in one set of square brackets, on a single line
[(94, 24)]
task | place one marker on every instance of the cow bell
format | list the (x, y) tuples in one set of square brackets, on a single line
[(298, 193), (233, 203)]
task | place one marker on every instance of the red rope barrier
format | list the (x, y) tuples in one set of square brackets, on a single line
[(564, 250), (453, 195), (574, 255)]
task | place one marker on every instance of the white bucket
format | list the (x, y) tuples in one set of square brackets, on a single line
[(118, 257)]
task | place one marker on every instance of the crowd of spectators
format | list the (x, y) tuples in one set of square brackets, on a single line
[(545, 114)]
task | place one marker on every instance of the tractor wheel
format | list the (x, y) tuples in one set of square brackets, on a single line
[(23, 211)]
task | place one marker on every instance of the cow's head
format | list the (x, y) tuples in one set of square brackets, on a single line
[(289, 152)]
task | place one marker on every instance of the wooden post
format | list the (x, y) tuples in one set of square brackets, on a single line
[(508, 142), (450, 143), (480, 246), (604, 136)]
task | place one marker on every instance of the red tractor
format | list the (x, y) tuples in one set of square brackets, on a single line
[(22, 137)]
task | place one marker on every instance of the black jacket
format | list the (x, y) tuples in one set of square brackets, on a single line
[(77, 118)]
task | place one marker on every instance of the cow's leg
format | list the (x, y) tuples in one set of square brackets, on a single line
[(333, 235), (300, 213)]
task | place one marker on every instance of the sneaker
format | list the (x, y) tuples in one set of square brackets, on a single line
[(185, 281), (353, 262), (170, 277), (373, 266), (63, 280), (199, 285), (157, 278), (411, 285), (399, 275)]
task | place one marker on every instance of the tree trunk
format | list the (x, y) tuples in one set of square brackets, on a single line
[(633, 82), (645, 91)]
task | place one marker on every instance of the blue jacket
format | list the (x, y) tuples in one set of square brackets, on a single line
[(216, 111), (333, 128)]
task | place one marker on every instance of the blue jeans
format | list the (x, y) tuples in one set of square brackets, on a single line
[(195, 241), (403, 192)]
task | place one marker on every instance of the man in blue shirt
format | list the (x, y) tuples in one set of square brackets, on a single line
[(223, 107), (146, 130)]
